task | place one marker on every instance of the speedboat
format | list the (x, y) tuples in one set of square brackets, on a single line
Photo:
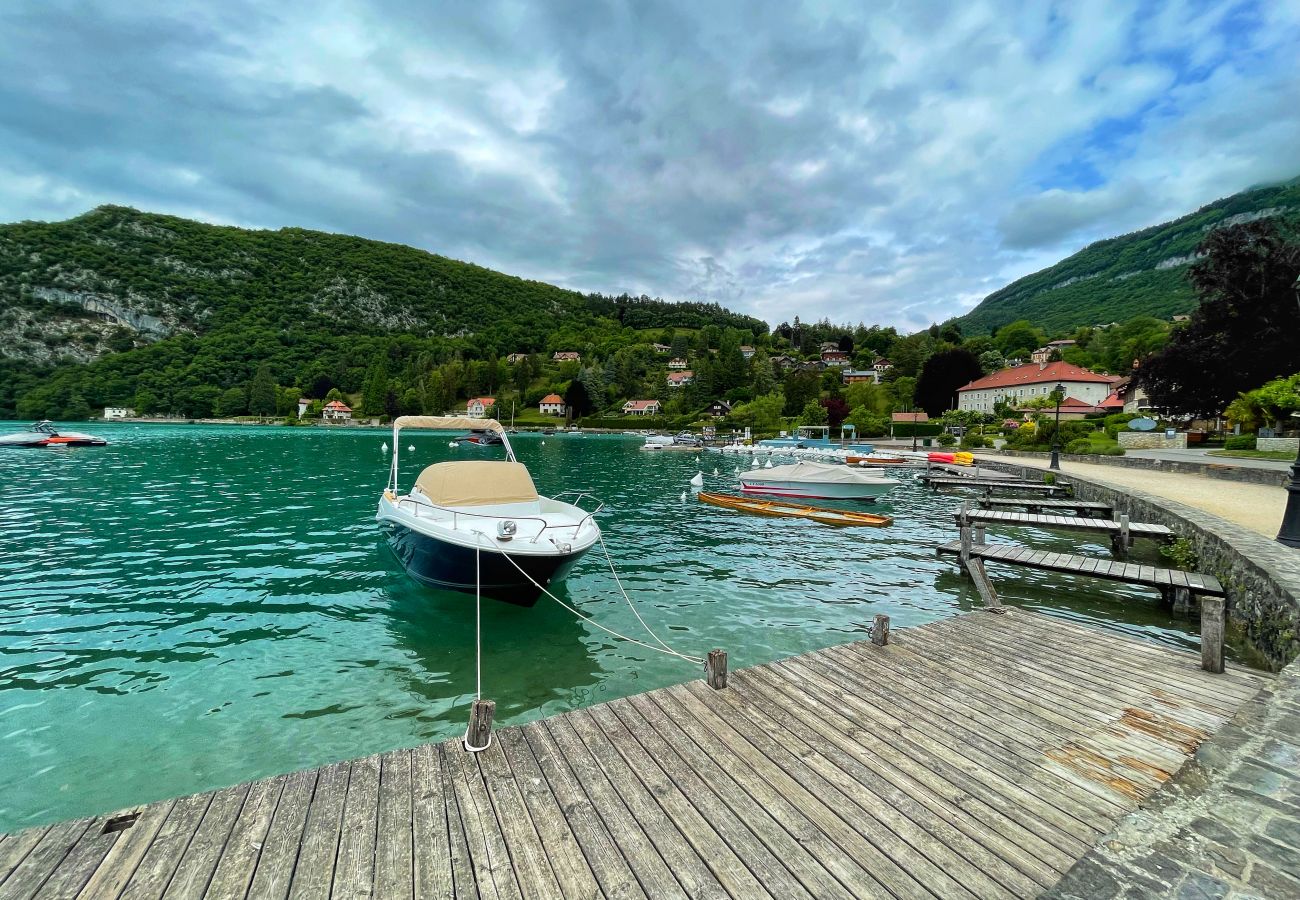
[(482, 438), (480, 524), (658, 442), (811, 479), (44, 434)]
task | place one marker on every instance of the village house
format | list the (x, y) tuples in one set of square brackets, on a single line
[(838, 358), (717, 409), (1044, 354), (566, 356), (479, 407), (828, 345), (855, 376), (785, 362), (551, 405), (336, 411), (662, 348), (746, 351), (677, 363), (1071, 408), (303, 403), (641, 408), (680, 379), (516, 357), (1020, 383), (119, 412), (812, 365), (882, 365)]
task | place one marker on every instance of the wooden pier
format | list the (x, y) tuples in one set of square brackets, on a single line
[(974, 757), (1039, 504), (1122, 533), (996, 484)]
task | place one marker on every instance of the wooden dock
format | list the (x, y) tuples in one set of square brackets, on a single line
[(995, 484), (1039, 504), (1121, 533), (974, 757)]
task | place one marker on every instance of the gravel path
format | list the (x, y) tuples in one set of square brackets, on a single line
[(1256, 506)]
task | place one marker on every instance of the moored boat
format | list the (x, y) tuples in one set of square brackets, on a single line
[(786, 510), (480, 524), (815, 437), (46, 435), (815, 480)]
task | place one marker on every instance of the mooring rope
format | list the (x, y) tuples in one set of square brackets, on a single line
[(665, 649), (610, 560), (478, 647)]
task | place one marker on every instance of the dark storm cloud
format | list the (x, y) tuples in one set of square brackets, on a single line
[(820, 159)]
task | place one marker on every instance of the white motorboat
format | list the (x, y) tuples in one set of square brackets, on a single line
[(480, 524), (44, 434), (658, 442), (811, 479)]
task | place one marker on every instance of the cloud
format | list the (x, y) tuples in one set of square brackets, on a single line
[(816, 160)]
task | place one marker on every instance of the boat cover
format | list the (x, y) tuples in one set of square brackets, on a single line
[(480, 482), (447, 423), (812, 473)]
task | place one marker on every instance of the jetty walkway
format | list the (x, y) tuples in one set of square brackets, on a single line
[(976, 757)]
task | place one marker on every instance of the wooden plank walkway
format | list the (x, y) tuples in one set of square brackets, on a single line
[(1090, 566), (1038, 504), (975, 757), (995, 484), (1068, 523)]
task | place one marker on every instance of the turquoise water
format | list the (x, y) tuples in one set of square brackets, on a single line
[(194, 606)]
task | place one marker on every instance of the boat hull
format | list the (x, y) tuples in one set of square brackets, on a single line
[(451, 567)]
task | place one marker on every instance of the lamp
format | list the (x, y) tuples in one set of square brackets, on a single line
[(1059, 393)]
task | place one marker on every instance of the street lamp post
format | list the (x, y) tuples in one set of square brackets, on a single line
[(1289, 533), (1058, 392)]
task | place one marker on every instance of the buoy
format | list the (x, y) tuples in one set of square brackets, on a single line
[(452, 444), (410, 448), (698, 480), (384, 447), (754, 464), (715, 470), (768, 465), (683, 496), (737, 472), (543, 443)]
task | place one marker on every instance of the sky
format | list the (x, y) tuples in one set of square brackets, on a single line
[(884, 162)]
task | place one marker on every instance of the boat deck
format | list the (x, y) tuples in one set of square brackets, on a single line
[(975, 757)]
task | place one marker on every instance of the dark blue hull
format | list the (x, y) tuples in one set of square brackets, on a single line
[(451, 567)]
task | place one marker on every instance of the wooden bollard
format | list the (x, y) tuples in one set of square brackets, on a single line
[(715, 669), (880, 630), (480, 724), (977, 534), (965, 535), (1212, 634)]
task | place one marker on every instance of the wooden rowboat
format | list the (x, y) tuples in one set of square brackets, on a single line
[(781, 509), (876, 460)]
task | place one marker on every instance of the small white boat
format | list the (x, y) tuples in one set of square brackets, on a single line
[(811, 479), (658, 442), (480, 524)]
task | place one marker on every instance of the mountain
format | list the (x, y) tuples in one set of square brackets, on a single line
[(94, 307), (1138, 274)]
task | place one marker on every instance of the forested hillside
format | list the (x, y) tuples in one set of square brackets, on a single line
[(180, 307), (1138, 274)]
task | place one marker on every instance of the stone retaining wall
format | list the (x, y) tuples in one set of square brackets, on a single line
[(1151, 440), (1224, 471), (1261, 576), (1287, 445)]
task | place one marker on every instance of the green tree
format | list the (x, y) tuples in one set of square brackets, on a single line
[(375, 390), (1018, 339), (813, 414), (77, 409), (232, 402), (941, 376), (261, 392)]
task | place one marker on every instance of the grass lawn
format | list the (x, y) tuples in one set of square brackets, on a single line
[(1281, 455)]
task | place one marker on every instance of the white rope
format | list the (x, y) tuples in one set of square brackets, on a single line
[(630, 605), (666, 650), (478, 647)]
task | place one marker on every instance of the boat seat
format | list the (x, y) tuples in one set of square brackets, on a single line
[(476, 483)]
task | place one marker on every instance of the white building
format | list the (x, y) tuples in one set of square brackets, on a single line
[(1022, 383), (641, 408), (680, 379), (551, 405), (119, 412), (478, 407), (336, 411), (303, 403)]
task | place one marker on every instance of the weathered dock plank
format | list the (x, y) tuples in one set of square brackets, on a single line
[(974, 757), (996, 484), (1066, 523), (1041, 504)]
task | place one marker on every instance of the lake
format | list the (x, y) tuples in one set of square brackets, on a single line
[(195, 606)]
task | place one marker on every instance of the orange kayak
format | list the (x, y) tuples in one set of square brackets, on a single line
[(781, 509)]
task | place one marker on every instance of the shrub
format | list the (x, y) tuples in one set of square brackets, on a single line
[(946, 439), (1181, 553), (1240, 442), (1079, 446), (973, 441)]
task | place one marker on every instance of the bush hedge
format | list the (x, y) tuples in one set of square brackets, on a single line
[(1240, 442), (946, 439)]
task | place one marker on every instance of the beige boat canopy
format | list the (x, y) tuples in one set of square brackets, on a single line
[(460, 423), (479, 482)]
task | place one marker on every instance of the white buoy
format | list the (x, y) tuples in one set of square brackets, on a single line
[(715, 470), (698, 480), (384, 447), (683, 496), (543, 443), (768, 465), (410, 448), (737, 472), (453, 444), (754, 464)]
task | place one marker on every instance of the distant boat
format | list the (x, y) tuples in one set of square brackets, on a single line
[(480, 524), (46, 435), (482, 438), (815, 480), (814, 437)]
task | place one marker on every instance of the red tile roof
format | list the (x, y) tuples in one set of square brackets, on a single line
[(910, 417), (1033, 373), (552, 398), (640, 404), (1112, 401), (338, 406)]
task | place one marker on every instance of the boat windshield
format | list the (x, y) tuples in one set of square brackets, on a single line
[(46, 427), (815, 431)]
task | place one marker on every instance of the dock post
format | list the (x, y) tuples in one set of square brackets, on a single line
[(977, 534), (1212, 634), (880, 630), (480, 725), (715, 669), (1122, 542)]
